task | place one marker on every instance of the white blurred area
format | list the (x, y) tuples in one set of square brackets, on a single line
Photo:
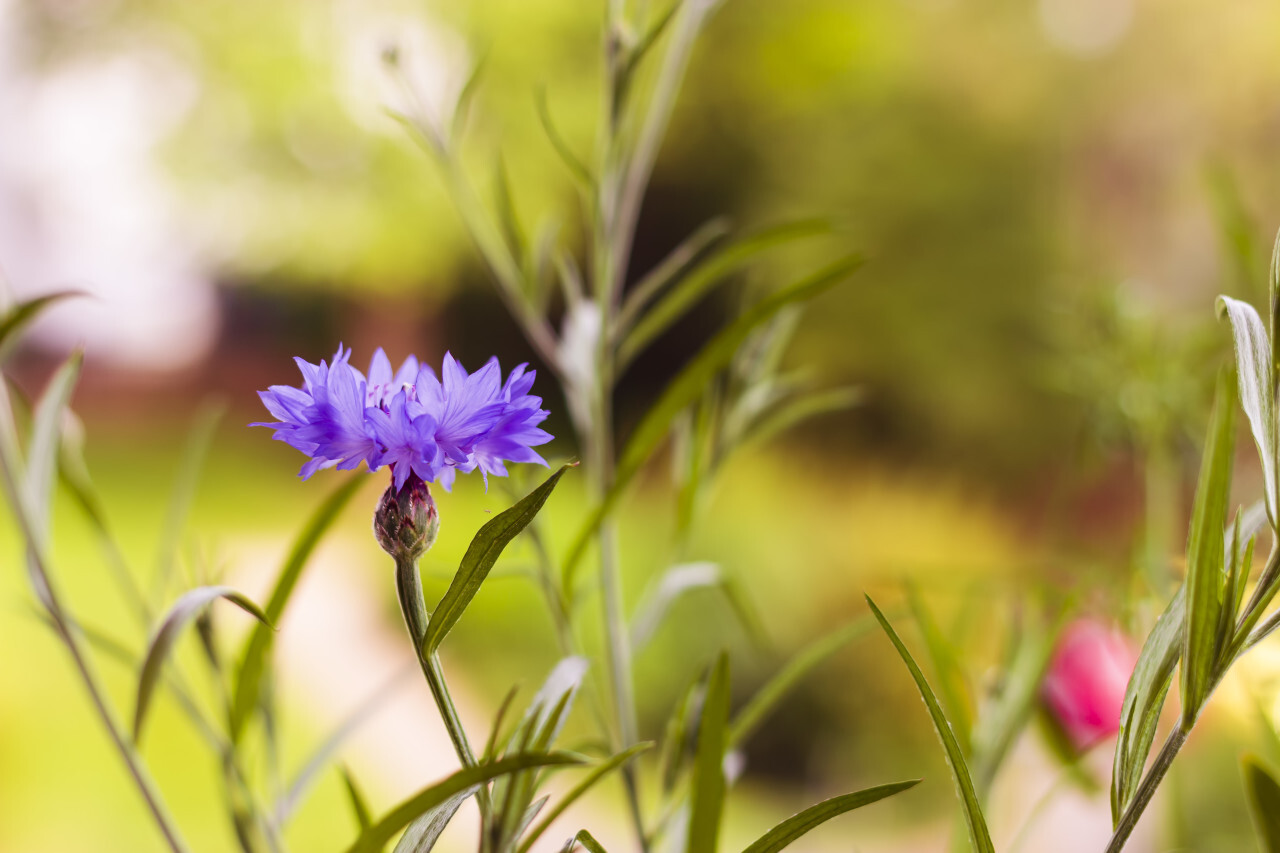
[(84, 204)]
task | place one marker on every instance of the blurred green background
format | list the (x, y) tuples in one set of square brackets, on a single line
[(1050, 194)]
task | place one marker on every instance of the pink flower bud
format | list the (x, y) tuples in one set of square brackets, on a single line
[(1085, 683)]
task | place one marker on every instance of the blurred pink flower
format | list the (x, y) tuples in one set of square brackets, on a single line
[(1085, 683)]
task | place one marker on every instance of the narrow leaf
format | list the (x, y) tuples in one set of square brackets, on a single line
[(359, 806), (180, 614), (978, 834), (706, 798), (689, 385), (676, 582), (599, 772), (46, 431), (254, 657), (758, 708), (423, 833), (19, 316), (373, 838), (562, 148), (1264, 802), (194, 453), (951, 679), (782, 835), (586, 840), (482, 553), (319, 760), (1256, 374), (678, 262), (701, 280), (1206, 579)]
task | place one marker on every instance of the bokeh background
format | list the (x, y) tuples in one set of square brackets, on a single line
[(1050, 192)]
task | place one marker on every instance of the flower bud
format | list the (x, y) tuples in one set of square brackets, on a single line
[(1085, 683), (406, 521)]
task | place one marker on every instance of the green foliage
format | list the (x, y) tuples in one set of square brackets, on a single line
[(791, 829), (482, 553), (706, 801), (1263, 793), (977, 825)]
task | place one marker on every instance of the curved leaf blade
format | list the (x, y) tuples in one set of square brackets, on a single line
[(706, 798), (977, 824), (373, 838), (183, 611), (599, 772), (423, 833), (21, 315), (253, 658), (794, 827), (482, 553), (1256, 374), (1264, 802)]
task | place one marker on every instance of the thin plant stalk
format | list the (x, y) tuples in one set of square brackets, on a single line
[(413, 606), (1147, 789)]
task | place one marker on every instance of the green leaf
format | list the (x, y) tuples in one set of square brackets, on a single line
[(462, 107), (1004, 717), (359, 806), (782, 835), (1206, 578), (675, 583), (978, 834), (562, 149), (586, 840), (758, 708), (688, 387), (482, 553), (1143, 699), (599, 772), (798, 409), (1264, 802), (19, 316), (951, 678), (254, 657), (423, 833), (706, 798), (508, 219), (1254, 367), (46, 431), (1274, 282), (182, 612), (320, 756), (675, 738), (467, 779), (194, 453), (678, 262), (701, 280)]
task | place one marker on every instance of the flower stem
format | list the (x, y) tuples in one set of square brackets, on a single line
[(413, 606), (1146, 790)]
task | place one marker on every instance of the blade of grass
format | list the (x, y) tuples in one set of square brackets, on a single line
[(253, 658), (979, 837), (1206, 580), (359, 806), (598, 773), (19, 316), (470, 778), (1263, 793), (759, 706), (179, 615), (791, 829), (706, 797)]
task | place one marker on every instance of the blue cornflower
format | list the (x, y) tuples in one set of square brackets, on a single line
[(409, 420)]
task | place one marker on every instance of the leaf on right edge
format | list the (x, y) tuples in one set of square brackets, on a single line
[(1263, 793), (1256, 377), (180, 614), (706, 797), (977, 824), (482, 553), (586, 840), (1206, 580), (797, 825)]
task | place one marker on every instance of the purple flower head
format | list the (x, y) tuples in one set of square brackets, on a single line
[(409, 420)]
